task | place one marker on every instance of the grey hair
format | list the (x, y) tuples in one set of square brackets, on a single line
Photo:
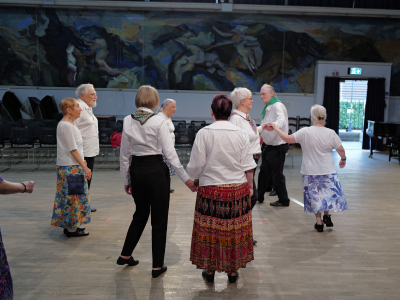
[(164, 104), (239, 94), (82, 89), (318, 113), (271, 88)]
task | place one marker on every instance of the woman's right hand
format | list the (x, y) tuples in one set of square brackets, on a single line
[(88, 173)]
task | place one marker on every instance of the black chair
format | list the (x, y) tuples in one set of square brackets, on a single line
[(176, 122), (293, 123), (47, 142), (58, 116), (395, 145), (49, 123), (303, 122), (117, 126), (7, 126), (21, 140), (184, 135), (104, 123), (105, 144), (2, 141)]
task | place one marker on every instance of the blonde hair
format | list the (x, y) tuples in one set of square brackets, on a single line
[(239, 94), (147, 96), (318, 113), (271, 88), (67, 103)]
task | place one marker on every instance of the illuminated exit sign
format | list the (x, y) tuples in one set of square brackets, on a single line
[(354, 71)]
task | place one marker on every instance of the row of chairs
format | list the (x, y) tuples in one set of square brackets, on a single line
[(297, 123)]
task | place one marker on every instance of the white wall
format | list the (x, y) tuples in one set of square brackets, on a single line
[(191, 105), (327, 68)]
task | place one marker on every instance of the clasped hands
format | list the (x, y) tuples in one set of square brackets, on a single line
[(269, 126)]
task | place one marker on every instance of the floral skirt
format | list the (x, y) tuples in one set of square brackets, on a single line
[(171, 169), (6, 286), (222, 237), (323, 193), (70, 211)]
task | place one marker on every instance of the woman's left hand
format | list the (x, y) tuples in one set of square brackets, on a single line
[(128, 189)]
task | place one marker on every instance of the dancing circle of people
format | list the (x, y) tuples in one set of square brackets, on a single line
[(223, 163)]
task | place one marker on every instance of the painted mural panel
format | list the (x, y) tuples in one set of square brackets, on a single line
[(185, 51)]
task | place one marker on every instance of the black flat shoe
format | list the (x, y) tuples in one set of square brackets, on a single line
[(232, 279), (208, 277), (156, 273), (273, 193), (80, 228), (327, 220), (93, 209), (254, 242), (260, 200), (277, 203), (130, 261), (171, 191), (320, 228), (77, 233)]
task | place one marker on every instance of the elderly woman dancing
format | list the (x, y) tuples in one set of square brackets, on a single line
[(322, 189), (222, 165), (241, 99), (146, 176), (72, 203), (166, 110)]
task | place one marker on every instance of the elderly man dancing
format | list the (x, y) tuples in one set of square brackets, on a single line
[(88, 125)]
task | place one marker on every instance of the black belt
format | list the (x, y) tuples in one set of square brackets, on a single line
[(147, 159), (275, 145)]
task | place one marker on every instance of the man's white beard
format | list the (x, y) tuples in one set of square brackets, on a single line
[(94, 104)]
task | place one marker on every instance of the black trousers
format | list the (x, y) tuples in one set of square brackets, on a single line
[(90, 165), (273, 160), (150, 183), (254, 198)]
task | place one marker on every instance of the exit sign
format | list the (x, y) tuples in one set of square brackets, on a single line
[(354, 71)]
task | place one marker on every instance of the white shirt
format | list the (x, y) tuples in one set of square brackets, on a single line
[(220, 155), (254, 137), (88, 125), (68, 139), (317, 144), (151, 138), (277, 114), (170, 125)]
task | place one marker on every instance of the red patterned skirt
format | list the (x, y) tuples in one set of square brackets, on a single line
[(222, 238)]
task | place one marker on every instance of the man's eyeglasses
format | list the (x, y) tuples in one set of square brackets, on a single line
[(93, 94)]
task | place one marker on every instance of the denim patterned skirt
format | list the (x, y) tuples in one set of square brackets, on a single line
[(6, 286), (171, 170), (70, 211), (323, 193)]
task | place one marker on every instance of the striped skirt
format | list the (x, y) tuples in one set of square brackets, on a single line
[(70, 211), (222, 238)]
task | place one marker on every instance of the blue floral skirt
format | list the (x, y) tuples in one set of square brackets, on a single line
[(171, 170), (70, 211), (6, 286), (323, 193)]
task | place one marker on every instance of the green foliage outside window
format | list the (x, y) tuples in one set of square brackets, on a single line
[(356, 116)]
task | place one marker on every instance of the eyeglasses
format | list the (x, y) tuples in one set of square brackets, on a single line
[(262, 94), (92, 94), (248, 98)]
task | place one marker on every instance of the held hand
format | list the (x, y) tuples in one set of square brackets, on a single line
[(342, 163), (128, 189), (88, 173), (190, 184), (196, 182), (29, 186), (251, 192), (270, 126)]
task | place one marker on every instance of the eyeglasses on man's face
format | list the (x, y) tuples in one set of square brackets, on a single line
[(92, 94)]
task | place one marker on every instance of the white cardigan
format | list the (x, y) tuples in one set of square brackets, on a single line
[(170, 125)]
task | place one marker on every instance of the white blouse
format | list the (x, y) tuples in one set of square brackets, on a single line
[(170, 125), (68, 139), (240, 121), (151, 138), (88, 125), (317, 144), (277, 114), (220, 155)]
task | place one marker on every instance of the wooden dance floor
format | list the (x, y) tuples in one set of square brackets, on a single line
[(359, 258)]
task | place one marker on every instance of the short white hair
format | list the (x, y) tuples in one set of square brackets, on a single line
[(239, 94), (82, 89), (166, 102), (270, 87), (318, 113)]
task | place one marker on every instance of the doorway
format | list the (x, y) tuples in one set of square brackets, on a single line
[(352, 100)]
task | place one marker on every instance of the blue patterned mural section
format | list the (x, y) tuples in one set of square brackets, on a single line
[(185, 51)]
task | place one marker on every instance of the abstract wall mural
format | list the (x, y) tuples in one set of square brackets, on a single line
[(185, 51)]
